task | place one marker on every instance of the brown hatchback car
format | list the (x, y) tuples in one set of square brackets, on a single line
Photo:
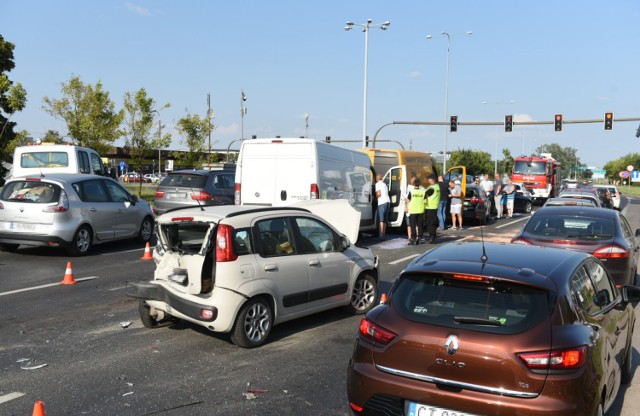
[(495, 329)]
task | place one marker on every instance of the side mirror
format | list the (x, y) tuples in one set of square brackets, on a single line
[(344, 243), (631, 294), (637, 232)]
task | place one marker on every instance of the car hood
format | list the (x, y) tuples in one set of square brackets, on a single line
[(337, 212)]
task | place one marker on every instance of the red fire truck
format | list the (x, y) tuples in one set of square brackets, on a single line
[(540, 175)]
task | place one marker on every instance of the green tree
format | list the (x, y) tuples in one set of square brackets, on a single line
[(13, 98), (567, 156), (506, 164), (52, 136), (88, 112), (476, 162), (614, 167), (194, 130)]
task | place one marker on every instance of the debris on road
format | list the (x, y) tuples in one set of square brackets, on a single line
[(125, 324), (35, 367)]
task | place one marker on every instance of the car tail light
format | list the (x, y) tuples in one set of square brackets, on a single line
[(159, 194), (612, 251), (474, 200), (356, 408), (520, 240), (555, 360), (61, 206), (236, 197), (315, 191), (224, 250), (375, 332), (470, 277), (201, 196), (180, 219)]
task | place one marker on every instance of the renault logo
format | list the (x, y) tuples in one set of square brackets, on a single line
[(452, 344)]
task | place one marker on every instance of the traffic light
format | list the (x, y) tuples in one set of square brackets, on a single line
[(558, 122), (608, 121), (327, 139), (454, 124), (366, 141), (508, 123)]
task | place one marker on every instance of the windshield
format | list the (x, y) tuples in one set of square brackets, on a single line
[(530, 167), (44, 159), (31, 191), (184, 237), (583, 227)]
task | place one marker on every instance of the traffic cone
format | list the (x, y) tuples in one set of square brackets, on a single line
[(38, 409), (68, 276), (147, 253), (383, 298)]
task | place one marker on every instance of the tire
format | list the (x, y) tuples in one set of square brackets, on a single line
[(527, 208), (626, 372), (81, 243), (146, 230), (9, 248), (364, 295), (150, 320), (253, 323)]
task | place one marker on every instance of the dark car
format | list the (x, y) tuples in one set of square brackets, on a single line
[(476, 205), (195, 187), (581, 194), (522, 201), (566, 201), (605, 233), (495, 329)]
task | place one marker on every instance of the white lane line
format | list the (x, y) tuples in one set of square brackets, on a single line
[(512, 222), (125, 251), (10, 396), (44, 286), (404, 259)]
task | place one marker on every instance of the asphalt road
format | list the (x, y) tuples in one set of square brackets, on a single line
[(81, 349)]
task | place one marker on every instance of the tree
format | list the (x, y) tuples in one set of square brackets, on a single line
[(507, 162), (52, 136), (476, 162), (614, 167), (139, 109), (194, 130), (13, 98), (567, 156), (89, 114)]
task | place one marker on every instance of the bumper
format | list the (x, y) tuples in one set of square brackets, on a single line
[(33, 240)]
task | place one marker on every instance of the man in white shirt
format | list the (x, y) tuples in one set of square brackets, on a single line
[(487, 185), (384, 202)]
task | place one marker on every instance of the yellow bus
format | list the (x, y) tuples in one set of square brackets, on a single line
[(397, 168)]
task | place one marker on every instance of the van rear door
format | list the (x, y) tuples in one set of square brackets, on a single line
[(396, 180)]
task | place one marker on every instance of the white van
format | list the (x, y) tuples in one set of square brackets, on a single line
[(280, 172), (56, 158)]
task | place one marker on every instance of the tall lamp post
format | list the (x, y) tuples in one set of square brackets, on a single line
[(498, 135), (446, 98), (365, 28), (306, 125), (210, 116), (243, 111), (159, 140)]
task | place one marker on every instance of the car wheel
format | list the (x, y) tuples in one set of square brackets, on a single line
[(81, 243), (9, 248), (146, 230), (527, 207), (627, 367), (364, 295), (253, 323), (153, 319)]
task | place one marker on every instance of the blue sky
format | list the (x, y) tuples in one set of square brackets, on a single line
[(578, 58)]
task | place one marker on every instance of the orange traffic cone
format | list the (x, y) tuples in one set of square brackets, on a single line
[(383, 298), (68, 276), (147, 253), (38, 409)]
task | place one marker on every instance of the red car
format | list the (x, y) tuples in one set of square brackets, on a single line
[(495, 329), (604, 233)]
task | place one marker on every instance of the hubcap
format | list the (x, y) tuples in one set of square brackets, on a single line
[(83, 240), (364, 294), (257, 322), (147, 229)]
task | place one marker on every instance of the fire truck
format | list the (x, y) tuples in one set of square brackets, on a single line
[(540, 175)]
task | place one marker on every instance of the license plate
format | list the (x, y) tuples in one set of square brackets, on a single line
[(418, 409), (19, 226), (177, 195)]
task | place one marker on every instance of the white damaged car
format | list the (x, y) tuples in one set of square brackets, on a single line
[(241, 269)]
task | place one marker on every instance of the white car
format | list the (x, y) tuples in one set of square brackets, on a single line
[(151, 178), (615, 194), (242, 269)]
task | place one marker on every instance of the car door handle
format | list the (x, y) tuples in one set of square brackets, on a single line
[(618, 331), (271, 268), (314, 263), (93, 209)]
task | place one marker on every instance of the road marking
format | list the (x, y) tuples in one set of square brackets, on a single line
[(404, 259), (512, 222), (10, 396), (44, 286)]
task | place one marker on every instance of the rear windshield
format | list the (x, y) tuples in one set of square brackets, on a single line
[(30, 191), (582, 227), (184, 237), (44, 160), (185, 180), (498, 307)]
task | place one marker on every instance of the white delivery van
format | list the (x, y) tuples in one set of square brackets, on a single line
[(56, 158), (280, 172)]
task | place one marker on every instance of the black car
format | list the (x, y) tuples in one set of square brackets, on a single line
[(195, 187), (477, 204)]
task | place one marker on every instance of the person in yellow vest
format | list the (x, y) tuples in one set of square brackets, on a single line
[(415, 202), (431, 207)]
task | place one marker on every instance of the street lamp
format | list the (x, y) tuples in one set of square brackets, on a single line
[(498, 134), (159, 143), (446, 95), (210, 116), (306, 125), (243, 111), (365, 28)]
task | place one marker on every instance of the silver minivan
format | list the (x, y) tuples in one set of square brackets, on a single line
[(71, 211)]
